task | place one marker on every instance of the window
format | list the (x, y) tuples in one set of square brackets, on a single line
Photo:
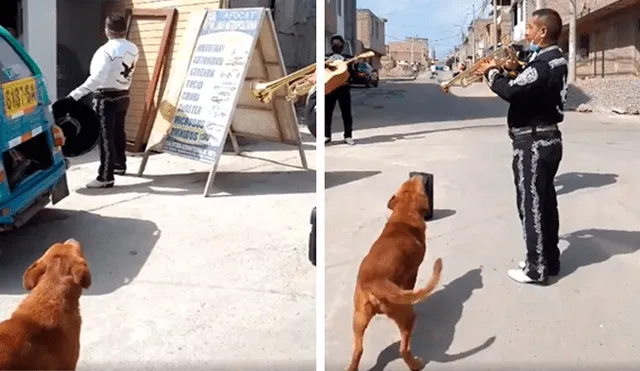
[(12, 65), (583, 46)]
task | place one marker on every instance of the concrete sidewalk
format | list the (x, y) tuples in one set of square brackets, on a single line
[(181, 281)]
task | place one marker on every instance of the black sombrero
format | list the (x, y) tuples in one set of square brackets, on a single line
[(79, 124)]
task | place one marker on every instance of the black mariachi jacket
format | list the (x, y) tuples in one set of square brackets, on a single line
[(344, 57), (538, 94)]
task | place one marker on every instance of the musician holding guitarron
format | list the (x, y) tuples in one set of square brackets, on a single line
[(537, 96), (340, 95)]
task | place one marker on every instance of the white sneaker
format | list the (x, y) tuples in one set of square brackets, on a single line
[(99, 184), (519, 276), (349, 141)]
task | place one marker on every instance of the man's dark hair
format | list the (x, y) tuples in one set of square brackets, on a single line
[(337, 37), (552, 21), (116, 23)]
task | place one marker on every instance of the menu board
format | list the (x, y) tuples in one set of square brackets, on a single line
[(215, 76)]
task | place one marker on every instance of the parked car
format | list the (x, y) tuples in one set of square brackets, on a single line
[(363, 74)]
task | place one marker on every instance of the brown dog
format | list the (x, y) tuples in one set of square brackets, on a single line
[(44, 331), (387, 275)]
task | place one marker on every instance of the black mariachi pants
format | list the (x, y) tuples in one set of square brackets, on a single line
[(342, 96), (111, 108), (536, 158)]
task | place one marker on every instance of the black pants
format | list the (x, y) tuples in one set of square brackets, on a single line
[(536, 158), (342, 95), (111, 109)]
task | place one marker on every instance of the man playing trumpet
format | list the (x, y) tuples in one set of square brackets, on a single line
[(537, 97)]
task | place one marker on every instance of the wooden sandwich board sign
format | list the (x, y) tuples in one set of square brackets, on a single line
[(210, 98)]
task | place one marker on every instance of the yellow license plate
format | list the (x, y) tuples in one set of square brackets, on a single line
[(19, 96)]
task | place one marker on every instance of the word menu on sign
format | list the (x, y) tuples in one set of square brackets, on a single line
[(213, 81)]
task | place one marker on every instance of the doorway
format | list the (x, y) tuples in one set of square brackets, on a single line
[(11, 17)]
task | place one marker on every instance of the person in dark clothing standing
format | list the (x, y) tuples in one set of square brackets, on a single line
[(537, 97), (111, 70), (341, 95)]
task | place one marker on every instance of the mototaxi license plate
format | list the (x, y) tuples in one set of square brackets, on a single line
[(19, 96)]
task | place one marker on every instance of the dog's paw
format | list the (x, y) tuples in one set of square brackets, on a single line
[(417, 364)]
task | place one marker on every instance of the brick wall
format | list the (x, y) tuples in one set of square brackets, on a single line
[(370, 31), (401, 50)]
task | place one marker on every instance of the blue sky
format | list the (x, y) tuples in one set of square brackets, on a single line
[(437, 20)]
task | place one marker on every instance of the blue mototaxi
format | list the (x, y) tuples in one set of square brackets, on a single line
[(32, 167)]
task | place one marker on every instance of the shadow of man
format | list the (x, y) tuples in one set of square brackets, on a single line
[(436, 322), (570, 182), (592, 246)]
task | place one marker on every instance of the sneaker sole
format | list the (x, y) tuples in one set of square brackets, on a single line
[(521, 265), (102, 186)]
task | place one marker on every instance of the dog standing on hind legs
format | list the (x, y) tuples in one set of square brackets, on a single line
[(387, 274)]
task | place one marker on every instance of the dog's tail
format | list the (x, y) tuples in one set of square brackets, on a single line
[(387, 290)]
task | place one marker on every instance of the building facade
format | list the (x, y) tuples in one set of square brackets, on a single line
[(370, 35), (608, 34), (412, 49), (340, 19)]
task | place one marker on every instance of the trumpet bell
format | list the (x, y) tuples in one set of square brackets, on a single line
[(264, 91)]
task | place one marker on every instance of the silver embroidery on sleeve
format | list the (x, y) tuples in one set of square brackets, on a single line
[(492, 76), (554, 63), (527, 77)]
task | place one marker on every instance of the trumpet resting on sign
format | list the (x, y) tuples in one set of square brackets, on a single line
[(506, 59), (296, 83)]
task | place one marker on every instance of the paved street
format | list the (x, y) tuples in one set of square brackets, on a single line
[(180, 281), (478, 319)]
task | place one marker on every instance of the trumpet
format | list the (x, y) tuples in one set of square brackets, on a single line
[(506, 58), (296, 83)]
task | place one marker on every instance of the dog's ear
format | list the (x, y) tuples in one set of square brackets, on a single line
[(392, 202), (32, 275), (81, 274)]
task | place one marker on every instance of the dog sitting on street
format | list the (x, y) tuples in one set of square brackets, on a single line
[(43, 333), (387, 274)]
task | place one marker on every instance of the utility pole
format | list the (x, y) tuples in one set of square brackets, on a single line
[(473, 45), (572, 42), (413, 40), (494, 35), (472, 30)]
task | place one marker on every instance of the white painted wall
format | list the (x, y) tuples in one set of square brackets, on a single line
[(340, 18), (40, 38), (520, 22)]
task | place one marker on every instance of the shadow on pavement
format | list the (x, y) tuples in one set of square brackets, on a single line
[(439, 214), (593, 246), (337, 178), (436, 322), (227, 184), (115, 248), (570, 182), (421, 134), (402, 103)]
